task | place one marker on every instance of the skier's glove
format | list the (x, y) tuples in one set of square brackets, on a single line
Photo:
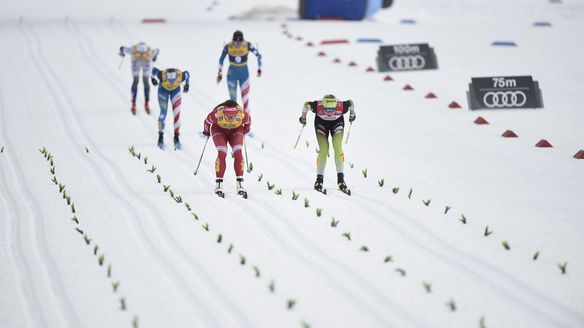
[(154, 81), (122, 54), (186, 88), (259, 72), (219, 77), (246, 128), (204, 134), (302, 120), (352, 118)]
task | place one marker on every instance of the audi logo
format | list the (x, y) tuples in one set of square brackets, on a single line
[(402, 63), (500, 99)]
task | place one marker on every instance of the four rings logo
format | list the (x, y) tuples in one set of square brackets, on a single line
[(401, 63), (500, 99), (504, 92)]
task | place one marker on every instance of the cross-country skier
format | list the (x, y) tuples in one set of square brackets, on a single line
[(170, 80), (142, 58), (238, 50), (329, 120), (228, 123)]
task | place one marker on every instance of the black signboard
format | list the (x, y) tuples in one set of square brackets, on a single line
[(406, 57), (504, 92)]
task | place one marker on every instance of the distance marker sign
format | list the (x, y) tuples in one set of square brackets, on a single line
[(504, 92)]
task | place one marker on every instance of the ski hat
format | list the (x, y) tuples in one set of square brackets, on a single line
[(237, 36), (230, 108), (329, 101)]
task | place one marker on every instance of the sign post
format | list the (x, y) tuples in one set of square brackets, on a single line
[(504, 92)]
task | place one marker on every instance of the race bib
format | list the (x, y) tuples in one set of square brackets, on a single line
[(171, 76)]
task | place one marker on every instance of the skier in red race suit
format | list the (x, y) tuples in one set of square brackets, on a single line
[(228, 123)]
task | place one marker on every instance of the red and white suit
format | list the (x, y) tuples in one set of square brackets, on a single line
[(228, 125)]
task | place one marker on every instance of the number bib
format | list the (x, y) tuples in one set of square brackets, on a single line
[(238, 55), (224, 123), (329, 114), (171, 78), (141, 54)]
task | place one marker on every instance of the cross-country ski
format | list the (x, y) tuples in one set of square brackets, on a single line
[(291, 163)]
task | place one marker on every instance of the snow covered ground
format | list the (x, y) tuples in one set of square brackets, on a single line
[(126, 252)]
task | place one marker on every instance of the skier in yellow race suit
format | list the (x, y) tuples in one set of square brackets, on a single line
[(329, 120), (142, 58)]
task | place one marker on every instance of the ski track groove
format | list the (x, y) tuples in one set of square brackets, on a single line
[(519, 287), (22, 266), (120, 183), (54, 279), (105, 75), (521, 294), (340, 284), (494, 271), (382, 303)]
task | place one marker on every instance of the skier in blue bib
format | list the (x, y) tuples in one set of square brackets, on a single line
[(170, 81), (238, 50)]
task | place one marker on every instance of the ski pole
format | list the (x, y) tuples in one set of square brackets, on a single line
[(299, 134), (348, 132), (121, 61), (249, 168), (200, 158)]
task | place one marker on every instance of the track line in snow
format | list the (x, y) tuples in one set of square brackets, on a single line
[(377, 300), (350, 293), (125, 196), (537, 303), (519, 287), (86, 236), (431, 238), (41, 285), (175, 196)]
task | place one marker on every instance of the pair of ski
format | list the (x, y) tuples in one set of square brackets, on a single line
[(241, 193), (344, 190), (177, 146)]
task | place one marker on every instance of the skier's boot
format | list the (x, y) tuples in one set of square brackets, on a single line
[(161, 140), (318, 184), (177, 144), (133, 108), (147, 107), (342, 185), (219, 188), (240, 190)]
